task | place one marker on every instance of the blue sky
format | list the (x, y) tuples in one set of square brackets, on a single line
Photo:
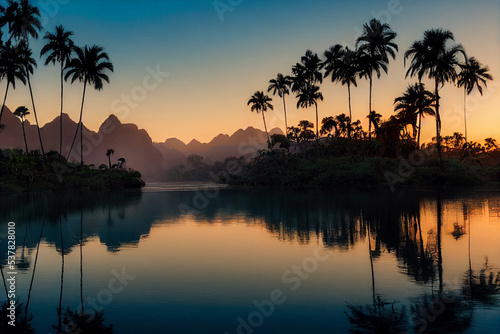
[(215, 65)]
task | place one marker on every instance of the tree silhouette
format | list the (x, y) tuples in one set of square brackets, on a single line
[(416, 99), (435, 57), (341, 64), (260, 104), (308, 97), (473, 74), (281, 86), (109, 153), (89, 66), (59, 48), (374, 118), (307, 72), (22, 112), (29, 64), (375, 45), (11, 69)]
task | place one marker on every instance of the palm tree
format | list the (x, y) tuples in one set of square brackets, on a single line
[(309, 96), (374, 118), (329, 124), (122, 162), (376, 43), (109, 153), (416, 102), (261, 103), (341, 65), (24, 20), (58, 49), (473, 74), (435, 57), (29, 64), (89, 66), (281, 86), (22, 112), (307, 71), (11, 68)]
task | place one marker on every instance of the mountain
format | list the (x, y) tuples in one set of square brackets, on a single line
[(127, 140), (241, 143), (131, 143)]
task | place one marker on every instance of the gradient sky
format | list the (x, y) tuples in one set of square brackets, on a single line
[(215, 65)]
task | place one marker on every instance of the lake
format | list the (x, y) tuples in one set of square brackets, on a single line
[(176, 259)]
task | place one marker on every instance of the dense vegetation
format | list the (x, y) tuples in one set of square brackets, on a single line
[(20, 22), (339, 152), (22, 172)]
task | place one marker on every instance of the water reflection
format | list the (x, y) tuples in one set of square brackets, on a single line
[(414, 228)]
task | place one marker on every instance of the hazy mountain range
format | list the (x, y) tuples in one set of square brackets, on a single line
[(129, 142)]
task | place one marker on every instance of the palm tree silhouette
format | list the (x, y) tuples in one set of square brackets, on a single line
[(11, 69), (308, 97), (416, 99), (341, 64), (433, 56), (473, 74), (281, 86), (329, 124), (59, 48), (261, 103), (34, 269), (376, 44), (122, 162), (89, 66), (29, 64), (24, 20), (109, 153), (22, 112), (307, 72), (374, 118)]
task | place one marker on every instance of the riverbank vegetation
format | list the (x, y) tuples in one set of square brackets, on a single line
[(340, 152), (29, 172)]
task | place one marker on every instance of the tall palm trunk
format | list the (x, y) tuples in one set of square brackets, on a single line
[(62, 105), (438, 123), (80, 125), (465, 113), (24, 135), (265, 127), (81, 258), (284, 110), (420, 111), (34, 270), (59, 309), (4, 100), (370, 111), (109, 160), (317, 132), (371, 265), (349, 97), (439, 250), (34, 113)]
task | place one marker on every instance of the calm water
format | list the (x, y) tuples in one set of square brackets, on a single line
[(261, 261)]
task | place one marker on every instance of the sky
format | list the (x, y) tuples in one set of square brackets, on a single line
[(211, 56)]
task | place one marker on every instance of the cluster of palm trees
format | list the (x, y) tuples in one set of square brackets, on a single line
[(89, 64), (435, 56)]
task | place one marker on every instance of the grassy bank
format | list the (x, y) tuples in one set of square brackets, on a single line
[(21, 172)]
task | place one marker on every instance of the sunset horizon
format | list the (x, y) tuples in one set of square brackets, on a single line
[(228, 71)]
